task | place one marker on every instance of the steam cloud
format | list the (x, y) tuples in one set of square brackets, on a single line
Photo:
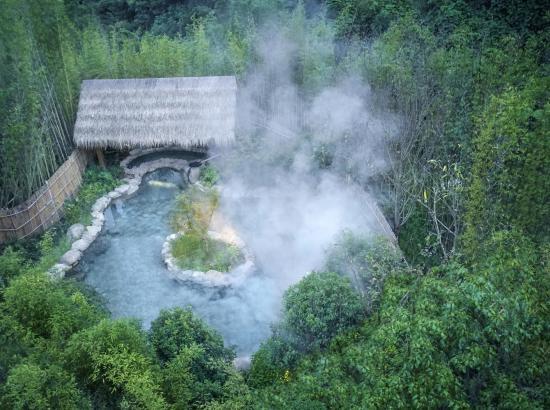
[(286, 208)]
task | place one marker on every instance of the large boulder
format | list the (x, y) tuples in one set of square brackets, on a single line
[(114, 194), (123, 189), (98, 216), (101, 204), (81, 245), (71, 257), (91, 233), (133, 187), (75, 232)]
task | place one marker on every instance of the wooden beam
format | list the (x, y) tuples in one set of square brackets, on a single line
[(100, 158)]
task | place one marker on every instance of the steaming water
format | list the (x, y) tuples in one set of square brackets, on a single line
[(125, 266)]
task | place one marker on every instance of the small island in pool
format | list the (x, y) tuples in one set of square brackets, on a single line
[(205, 249)]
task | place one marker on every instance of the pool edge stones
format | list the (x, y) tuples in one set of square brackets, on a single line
[(132, 181), (211, 278)]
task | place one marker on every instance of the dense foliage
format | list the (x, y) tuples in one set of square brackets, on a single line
[(459, 320), (45, 250), (96, 182), (199, 252), (194, 249), (39, 83), (61, 351), (451, 338)]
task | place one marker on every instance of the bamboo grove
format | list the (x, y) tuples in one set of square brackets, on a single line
[(457, 317), (44, 58)]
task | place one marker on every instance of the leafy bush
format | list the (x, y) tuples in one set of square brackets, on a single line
[(16, 343), (315, 310), (96, 182), (196, 365), (200, 252), (112, 359), (31, 387), (12, 264), (509, 186), (209, 176), (366, 261), (177, 328), (48, 309), (320, 306), (52, 245), (272, 361)]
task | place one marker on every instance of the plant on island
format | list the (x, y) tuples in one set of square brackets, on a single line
[(195, 249)]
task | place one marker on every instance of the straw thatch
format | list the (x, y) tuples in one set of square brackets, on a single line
[(150, 112)]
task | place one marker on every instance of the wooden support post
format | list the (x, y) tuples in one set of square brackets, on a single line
[(100, 158)]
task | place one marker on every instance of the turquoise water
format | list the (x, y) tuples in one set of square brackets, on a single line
[(124, 265)]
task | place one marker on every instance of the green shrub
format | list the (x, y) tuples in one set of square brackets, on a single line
[(195, 250), (196, 365), (31, 387), (49, 309), (96, 182), (209, 176), (113, 359), (16, 343), (510, 185), (52, 245), (12, 264), (366, 261), (320, 306), (272, 360), (177, 328)]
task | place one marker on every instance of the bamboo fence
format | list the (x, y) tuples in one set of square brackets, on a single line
[(43, 208)]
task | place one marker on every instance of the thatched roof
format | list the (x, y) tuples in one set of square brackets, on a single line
[(150, 112)]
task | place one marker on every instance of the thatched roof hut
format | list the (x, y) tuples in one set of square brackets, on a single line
[(150, 112)]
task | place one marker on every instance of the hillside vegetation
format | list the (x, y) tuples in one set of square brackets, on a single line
[(457, 318)]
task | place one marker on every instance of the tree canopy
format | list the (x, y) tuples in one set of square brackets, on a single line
[(456, 316)]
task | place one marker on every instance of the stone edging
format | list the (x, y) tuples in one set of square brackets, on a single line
[(82, 237), (211, 278)]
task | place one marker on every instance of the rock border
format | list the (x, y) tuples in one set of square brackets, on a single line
[(132, 180), (81, 237), (211, 278)]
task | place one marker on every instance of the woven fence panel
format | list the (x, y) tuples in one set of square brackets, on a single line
[(44, 207)]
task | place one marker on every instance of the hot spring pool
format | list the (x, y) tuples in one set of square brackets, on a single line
[(124, 265)]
